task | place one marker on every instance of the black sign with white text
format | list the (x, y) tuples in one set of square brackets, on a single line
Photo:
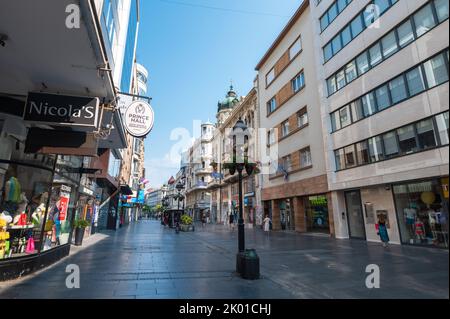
[(62, 110)]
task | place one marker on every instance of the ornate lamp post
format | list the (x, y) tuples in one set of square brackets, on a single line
[(179, 197), (240, 136)]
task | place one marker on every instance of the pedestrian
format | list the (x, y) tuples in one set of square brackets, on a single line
[(382, 230), (203, 220), (231, 221), (267, 223)]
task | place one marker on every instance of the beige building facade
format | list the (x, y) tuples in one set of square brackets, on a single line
[(224, 187), (383, 79), (295, 193)]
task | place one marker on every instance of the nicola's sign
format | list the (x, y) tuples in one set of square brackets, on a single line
[(62, 110), (139, 118)]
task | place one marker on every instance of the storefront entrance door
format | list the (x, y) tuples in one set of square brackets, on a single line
[(355, 216), (316, 208)]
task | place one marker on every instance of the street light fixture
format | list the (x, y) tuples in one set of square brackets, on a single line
[(179, 197), (240, 136)]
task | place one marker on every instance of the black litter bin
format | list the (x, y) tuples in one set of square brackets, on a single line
[(250, 265)]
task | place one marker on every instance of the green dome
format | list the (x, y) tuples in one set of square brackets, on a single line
[(230, 101)]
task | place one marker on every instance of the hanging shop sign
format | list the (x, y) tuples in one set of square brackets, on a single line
[(61, 110), (139, 118)]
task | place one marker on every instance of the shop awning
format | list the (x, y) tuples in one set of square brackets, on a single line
[(126, 190)]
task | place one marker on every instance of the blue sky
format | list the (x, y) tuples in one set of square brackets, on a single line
[(192, 53)]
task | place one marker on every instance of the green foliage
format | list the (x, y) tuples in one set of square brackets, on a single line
[(187, 220), (81, 223)]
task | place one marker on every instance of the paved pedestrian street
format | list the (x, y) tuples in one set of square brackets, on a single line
[(147, 261)]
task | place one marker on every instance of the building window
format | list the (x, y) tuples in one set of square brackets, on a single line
[(333, 11), (436, 71), (389, 43), (362, 62), (368, 104), (271, 105), (285, 128), (305, 158), (302, 118), (424, 20), (335, 121), (340, 80), (270, 77), (405, 33), (336, 44), (441, 9), (356, 25), (362, 153), (298, 83), (295, 49), (415, 81), (345, 117), (376, 149), (271, 136), (390, 145), (383, 99), (346, 36), (407, 139), (350, 157), (395, 91), (398, 89), (375, 55), (340, 159), (350, 72), (392, 42), (328, 52), (442, 123), (287, 163), (331, 84), (357, 110), (425, 134)]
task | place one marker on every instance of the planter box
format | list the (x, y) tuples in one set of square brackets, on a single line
[(187, 228)]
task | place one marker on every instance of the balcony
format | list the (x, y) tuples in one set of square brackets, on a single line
[(203, 171)]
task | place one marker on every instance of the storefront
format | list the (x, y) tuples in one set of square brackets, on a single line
[(316, 211), (287, 215), (38, 198), (422, 212)]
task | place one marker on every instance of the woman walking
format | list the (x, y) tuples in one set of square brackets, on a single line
[(267, 224), (382, 230)]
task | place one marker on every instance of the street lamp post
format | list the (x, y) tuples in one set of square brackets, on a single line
[(240, 162), (179, 197)]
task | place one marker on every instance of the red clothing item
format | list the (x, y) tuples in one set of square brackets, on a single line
[(419, 228)]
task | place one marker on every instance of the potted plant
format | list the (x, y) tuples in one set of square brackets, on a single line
[(80, 226), (187, 223)]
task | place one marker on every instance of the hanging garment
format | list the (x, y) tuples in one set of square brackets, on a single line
[(30, 246), (14, 190)]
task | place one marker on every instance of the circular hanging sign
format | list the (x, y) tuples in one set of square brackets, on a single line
[(139, 118)]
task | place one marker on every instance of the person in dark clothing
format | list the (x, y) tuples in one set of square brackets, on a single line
[(232, 221)]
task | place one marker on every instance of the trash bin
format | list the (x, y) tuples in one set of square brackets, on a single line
[(250, 265)]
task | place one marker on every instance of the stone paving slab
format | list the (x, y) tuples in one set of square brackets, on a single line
[(147, 261)]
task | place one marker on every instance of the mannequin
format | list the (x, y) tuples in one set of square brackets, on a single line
[(420, 229), (410, 214)]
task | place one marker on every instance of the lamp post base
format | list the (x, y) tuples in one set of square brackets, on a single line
[(247, 265), (240, 263)]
